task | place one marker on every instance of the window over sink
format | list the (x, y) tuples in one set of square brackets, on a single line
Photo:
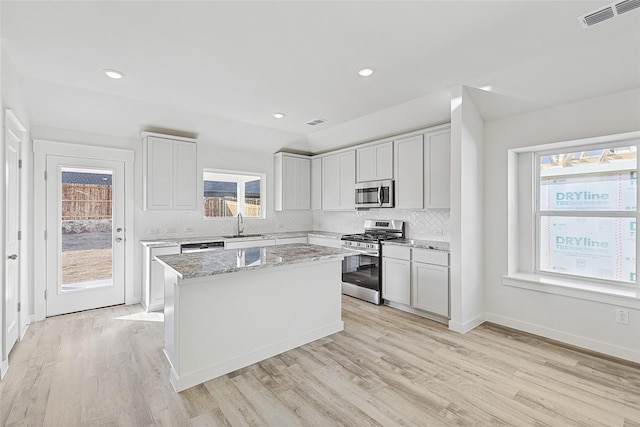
[(228, 193)]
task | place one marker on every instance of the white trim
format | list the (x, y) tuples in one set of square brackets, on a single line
[(41, 149), (463, 328), (572, 339), (4, 366), (145, 134), (624, 297)]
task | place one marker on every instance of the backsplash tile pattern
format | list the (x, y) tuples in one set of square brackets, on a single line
[(428, 225)]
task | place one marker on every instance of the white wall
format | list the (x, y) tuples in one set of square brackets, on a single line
[(467, 233), (576, 321)]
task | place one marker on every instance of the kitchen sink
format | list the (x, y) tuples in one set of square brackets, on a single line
[(235, 236)]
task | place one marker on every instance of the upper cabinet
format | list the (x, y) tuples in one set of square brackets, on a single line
[(170, 178), (292, 181), (316, 183), (375, 162), (409, 178), (338, 181), (422, 170), (437, 163)]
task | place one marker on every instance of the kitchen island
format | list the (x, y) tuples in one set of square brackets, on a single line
[(228, 309)]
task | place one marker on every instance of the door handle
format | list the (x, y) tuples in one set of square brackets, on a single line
[(12, 257), (118, 239), (380, 196)]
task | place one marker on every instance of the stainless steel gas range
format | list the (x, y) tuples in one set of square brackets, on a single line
[(362, 272)]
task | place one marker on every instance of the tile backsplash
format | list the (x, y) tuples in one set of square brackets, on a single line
[(428, 225)]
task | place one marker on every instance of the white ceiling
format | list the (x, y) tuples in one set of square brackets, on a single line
[(220, 69)]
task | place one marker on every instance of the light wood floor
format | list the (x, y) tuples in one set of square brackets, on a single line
[(387, 368)]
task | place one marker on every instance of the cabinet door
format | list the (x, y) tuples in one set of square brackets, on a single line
[(366, 164), (289, 182), (409, 158), (384, 161), (316, 183), (185, 179), (396, 280), (347, 180), (303, 191), (331, 182), (159, 177), (154, 283), (430, 288), (438, 170)]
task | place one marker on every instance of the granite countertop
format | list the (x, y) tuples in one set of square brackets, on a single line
[(174, 241), (420, 244), (202, 264)]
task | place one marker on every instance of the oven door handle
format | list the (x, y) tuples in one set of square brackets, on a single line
[(362, 251)]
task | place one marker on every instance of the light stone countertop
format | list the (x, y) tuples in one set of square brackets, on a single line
[(202, 264), (176, 241), (420, 244)]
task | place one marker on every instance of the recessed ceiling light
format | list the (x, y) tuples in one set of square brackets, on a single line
[(114, 74), (278, 115), (365, 72)]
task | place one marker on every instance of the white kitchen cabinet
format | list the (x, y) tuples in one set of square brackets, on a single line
[(330, 242), (153, 276), (338, 181), (409, 177), (316, 183), (437, 163), (289, 240), (375, 163), (170, 173), (292, 182), (242, 243), (396, 274), (430, 281)]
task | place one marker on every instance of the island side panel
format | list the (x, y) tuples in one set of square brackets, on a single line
[(226, 322), (170, 325)]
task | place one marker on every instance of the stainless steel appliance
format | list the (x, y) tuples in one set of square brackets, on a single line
[(374, 194), (188, 248), (362, 272)]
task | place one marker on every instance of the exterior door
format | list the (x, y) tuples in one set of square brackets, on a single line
[(12, 267), (85, 234)]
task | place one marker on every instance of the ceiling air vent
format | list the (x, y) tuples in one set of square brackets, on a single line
[(316, 121), (627, 5), (608, 12)]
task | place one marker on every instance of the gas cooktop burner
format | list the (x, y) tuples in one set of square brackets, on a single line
[(368, 237)]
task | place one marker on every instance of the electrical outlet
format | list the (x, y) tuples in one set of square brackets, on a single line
[(154, 231), (171, 230), (622, 316), (439, 232), (188, 229)]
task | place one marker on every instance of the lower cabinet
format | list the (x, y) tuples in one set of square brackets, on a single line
[(430, 288), (330, 242), (396, 274), (416, 278), (153, 276)]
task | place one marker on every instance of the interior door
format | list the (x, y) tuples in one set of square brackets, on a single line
[(12, 267), (85, 234)]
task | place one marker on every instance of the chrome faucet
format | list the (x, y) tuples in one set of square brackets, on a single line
[(240, 221)]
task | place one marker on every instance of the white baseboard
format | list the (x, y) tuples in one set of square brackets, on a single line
[(630, 354), (463, 328), (186, 381)]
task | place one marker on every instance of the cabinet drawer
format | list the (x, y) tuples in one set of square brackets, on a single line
[(288, 240), (164, 250), (399, 252), (430, 257)]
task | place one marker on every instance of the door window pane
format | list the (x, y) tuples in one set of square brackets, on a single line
[(86, 218)]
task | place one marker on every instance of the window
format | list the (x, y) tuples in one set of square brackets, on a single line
[(586, 211), (226, 194)]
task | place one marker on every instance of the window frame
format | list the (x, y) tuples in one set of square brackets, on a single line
[(263, 193), (538, 213)]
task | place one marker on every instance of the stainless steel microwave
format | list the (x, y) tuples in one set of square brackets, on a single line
[(374, 194)]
